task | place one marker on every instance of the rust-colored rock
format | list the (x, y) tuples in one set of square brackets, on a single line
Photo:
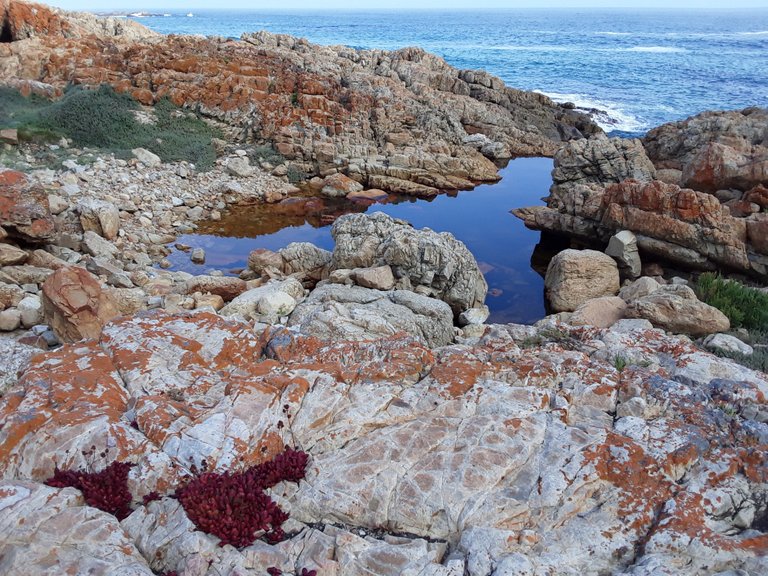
[(323, 108), (75, 305), (24, 210)]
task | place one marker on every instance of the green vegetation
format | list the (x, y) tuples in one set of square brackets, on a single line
[(744, 306), (620, 363), (107, 120)]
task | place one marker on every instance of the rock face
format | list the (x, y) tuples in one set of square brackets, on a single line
[(400, 121), (24, 210), (714, 150), (336, 312), (75, 305), (518, 452), (423, 261), (575, 276), (602, 186)]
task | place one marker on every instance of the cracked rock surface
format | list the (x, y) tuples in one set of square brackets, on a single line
[(525, 451)]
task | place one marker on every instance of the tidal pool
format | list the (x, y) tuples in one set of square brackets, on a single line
[(512, 257)]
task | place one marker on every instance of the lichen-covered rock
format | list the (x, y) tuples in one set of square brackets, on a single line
[(420, 259), (337, 312), (575, 276), (75, 305), (531, 448)]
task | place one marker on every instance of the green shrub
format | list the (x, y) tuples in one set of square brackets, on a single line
[(745, 307), (106, 120)]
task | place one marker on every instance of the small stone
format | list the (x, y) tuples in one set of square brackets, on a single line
[(474, 316), (10, 320), (31, 309), (146, 157), (378, 278), (197, 256), (10, 255), (240, 167), (9, 136)]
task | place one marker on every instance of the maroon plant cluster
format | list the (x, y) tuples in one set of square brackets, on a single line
[(234, 507), (272, 571), (106, 490)]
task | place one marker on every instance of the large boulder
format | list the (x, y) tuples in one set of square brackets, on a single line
[(714, 150), (337, 312), (24, 209), (339, 186), (227, 287), (421, 260), (74, 304), (575, 276), (676, 308)]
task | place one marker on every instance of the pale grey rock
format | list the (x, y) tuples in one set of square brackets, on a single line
[(197, 256), (10, 320), (728, 344), (33, 519), (639, 288), (418, 258), (575, 276), (339, 312), (97, 246), (149, 159), (474, 316), (31, 310), (303, 258), (274, 299), (239, 167), (623, 248)]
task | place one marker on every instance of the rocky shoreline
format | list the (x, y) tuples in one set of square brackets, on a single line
[(390, 430)]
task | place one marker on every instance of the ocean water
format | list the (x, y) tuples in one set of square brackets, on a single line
[(643, 68)]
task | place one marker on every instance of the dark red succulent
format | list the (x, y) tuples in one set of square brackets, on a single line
[(272, 571), (234, 507), (106, 490)]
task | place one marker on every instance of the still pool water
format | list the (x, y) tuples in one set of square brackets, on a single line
[(512, 257)]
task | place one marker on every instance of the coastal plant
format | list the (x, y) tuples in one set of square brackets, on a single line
[(107, 120), (106, 490), (744, 306), (234, 507), (619, 362)]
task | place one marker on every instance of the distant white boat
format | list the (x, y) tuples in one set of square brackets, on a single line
[(138, 14), (190, 15)]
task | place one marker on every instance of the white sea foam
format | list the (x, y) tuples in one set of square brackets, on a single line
[(760, 33), (658, 49), (608, 115), (613, 33)]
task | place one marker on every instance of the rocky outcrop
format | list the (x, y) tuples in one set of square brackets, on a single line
[(423, 261), (714, 150), (575, 276), (402, 121), (336, 312), (529, 450)]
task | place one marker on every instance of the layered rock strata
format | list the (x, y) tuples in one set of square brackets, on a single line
[(403, 121)]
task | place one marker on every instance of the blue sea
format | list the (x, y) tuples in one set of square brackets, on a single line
[(643, 68)]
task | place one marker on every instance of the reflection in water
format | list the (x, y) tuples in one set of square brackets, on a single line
[(504, 248)]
